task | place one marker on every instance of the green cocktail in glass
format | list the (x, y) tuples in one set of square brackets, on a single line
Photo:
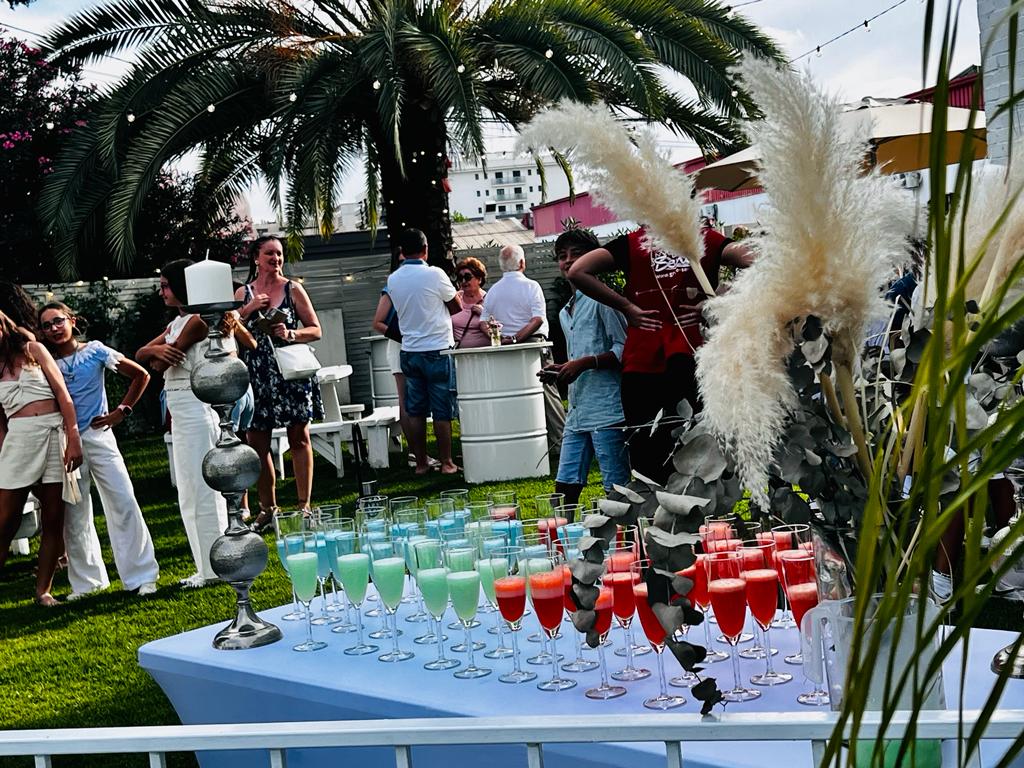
[(433, 584), (354, 572), (464, 587), (302, 568), (389, 578)]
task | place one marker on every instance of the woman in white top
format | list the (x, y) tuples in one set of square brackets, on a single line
[(83, 365), (39, 447), (194, 424)]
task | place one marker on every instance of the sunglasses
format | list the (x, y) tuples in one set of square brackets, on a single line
[(57, 322), (464, 276)]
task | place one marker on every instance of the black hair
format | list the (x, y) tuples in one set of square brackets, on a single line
[(18, 305), (254, 252), (581, 237), (412, 243), (174, 272)]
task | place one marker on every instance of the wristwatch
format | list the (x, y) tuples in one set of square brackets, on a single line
[(126, 410), (291, 336)]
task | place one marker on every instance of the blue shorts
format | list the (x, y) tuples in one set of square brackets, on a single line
[(579, 449), (427, 378)]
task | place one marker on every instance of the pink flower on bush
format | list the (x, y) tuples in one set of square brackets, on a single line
[(8, 144)]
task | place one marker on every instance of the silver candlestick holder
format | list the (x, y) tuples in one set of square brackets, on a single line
[(1009, 658), (230, 467)]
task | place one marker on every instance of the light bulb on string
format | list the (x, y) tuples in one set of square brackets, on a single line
[(49, 126), (638, 34), (548, 53), (817, 52), (461, 68), (734, 93), (293, 97), (376, 85), (211, 109), (130, 117), (867, 25)]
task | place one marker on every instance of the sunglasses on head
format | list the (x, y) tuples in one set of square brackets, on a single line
[(464, 276)]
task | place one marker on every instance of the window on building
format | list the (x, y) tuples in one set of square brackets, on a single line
[(516, 174), (499, 174), (529, 171), (476, 176), (478, 193), (501, 209), (531, 189), (487, 193), (519, 207), (479, 210), (519, 190)]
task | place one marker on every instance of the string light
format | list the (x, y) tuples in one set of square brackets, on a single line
[(49, 126), (376, 85), (461, 68), (130, 117), (293, 97), (548, 53), (865, 25), (638, 34), (211, 109), (349, 277)]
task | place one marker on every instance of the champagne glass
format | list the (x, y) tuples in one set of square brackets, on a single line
[(618, 563), (302, 568), (503, 505), (315, 524), (432, 579), (801, 585), (492, 564), (373, 524), (461, 555), (580, 663), (787, 537), (758, 561), (547, 592), (728, 594), (656, 635), (389, 578), (547, 522), (536, 548), (698, 574), (341, 540), (409, 524), (425, 552), (510, 592), (354, 572), (464, 588), (459, 498), (398, 503), (285, 523), (602, 625), (623, 552), (441, 517)]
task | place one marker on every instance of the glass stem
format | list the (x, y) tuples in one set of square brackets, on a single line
[(629, 645), (440, 641), (394, 632), (295, 600), (663, 692), (735, 666), (767, 650), (554, 658), (359, 625), (707, 631), (469, 645), (323, 599), (579, 647), (515, 651), (309, 621), (334, 592), (604, 665)]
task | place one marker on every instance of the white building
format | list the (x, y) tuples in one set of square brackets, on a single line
[(509, 186)]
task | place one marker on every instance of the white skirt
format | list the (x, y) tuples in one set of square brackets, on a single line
[(33, 452)]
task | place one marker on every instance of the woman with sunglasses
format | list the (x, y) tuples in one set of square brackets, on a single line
[(83, 365), (471, 275)]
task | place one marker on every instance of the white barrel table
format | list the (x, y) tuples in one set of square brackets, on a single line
[(501, 412), (382, 380)]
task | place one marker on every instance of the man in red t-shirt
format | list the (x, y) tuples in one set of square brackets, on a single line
[(662, 304)]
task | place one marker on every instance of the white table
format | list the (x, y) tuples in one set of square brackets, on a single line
[(501, 412), (276, 684)]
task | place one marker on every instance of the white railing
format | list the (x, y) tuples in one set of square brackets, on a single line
[(672, 730)]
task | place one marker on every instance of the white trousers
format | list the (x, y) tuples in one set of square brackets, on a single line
[(203, 511), (129, 536)]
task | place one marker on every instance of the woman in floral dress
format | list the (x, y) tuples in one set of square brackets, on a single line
[(279, 403)]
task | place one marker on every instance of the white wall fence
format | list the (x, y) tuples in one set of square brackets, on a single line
[(673, 730)]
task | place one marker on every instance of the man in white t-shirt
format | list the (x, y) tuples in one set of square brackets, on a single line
[(424, 298), (517, 302)]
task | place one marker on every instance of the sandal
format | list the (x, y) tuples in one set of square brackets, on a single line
[(264, 520), (46, 600)]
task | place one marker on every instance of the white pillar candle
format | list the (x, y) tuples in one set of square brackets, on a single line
[(209, 282)]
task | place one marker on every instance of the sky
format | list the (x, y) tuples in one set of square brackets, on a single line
[(883, 61)]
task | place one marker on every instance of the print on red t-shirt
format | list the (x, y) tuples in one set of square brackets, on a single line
[(665, 283)]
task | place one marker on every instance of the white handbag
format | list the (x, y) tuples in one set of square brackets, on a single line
[(296, 361)]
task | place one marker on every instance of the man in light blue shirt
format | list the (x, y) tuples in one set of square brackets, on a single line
[(594, 335)]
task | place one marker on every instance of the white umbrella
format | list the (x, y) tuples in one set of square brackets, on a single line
[(900, 141)]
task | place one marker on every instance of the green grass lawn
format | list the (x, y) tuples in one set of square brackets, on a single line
[(75, 666)]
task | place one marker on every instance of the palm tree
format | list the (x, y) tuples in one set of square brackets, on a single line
[(296, 92)]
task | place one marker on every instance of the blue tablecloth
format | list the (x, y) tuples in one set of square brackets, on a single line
[(276, 684)]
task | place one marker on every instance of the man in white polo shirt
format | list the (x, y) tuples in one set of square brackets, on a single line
[(424, 299), (517, 302)]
